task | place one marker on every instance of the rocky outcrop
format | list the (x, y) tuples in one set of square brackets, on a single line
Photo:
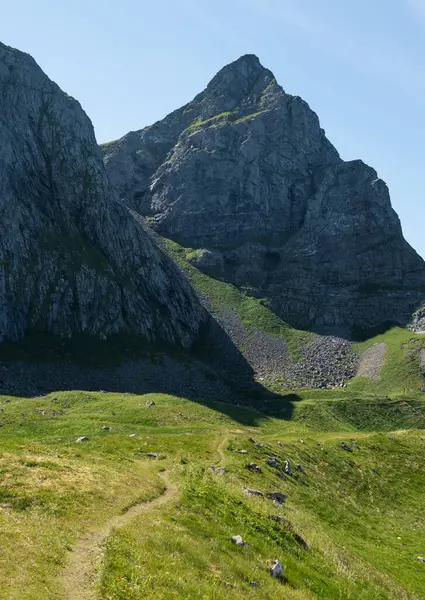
[(245, 174), (73, 259)]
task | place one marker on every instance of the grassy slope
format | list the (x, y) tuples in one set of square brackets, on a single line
[(351, 508), (253, 312), (401, 374)]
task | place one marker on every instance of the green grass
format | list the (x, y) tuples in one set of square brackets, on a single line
[(402, 372), (360, 513), (221, 119), (253, 312), (211, 122)]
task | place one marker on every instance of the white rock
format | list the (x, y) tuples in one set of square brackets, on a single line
[(277, 569), (238, 540)]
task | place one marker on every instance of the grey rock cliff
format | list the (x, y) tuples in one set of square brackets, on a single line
[(73, 259), (246, 173)]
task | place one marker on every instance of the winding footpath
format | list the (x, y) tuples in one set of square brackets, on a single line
[(83, 570), (82, 573)]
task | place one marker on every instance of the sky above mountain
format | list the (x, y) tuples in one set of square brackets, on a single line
[(360, 65)]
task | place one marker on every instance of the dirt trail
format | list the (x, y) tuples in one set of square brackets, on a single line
[(220, 450), (82, 573)]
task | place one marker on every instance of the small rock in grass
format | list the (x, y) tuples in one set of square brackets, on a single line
[(105, 428), (278, 519), (300, 469), (250, 492), (277, 570), (288, 468), (301, 541), (346, 447), (280, 444), (242, 451), (254, 584), (83, 438), (132, 435), (152, 454), (150, 403), (301, 441), (238, 540), (277, 497), (254, 468), (421, 559), (218, 470)]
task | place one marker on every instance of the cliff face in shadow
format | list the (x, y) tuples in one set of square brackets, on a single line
[(73, 260)]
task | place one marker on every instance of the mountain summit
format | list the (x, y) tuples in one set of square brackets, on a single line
[(245, 175)]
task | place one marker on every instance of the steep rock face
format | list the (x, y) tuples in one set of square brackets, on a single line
[(73, 259), (245, 174)]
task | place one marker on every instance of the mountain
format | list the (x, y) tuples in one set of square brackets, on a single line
[(73, 259), (246, 177)]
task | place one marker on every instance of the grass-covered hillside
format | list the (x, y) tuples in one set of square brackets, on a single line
[(77, 519), (285, 358)]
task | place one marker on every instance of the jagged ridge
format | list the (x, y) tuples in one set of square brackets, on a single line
[(246, 173)]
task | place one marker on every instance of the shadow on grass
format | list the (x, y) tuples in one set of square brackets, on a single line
[(213, 372)]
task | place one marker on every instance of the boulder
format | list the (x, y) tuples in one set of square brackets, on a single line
[(277, 570), (238, 540)]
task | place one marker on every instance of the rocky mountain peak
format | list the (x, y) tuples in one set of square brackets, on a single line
[(243, 87), (241, 82), (73, 259), (245, 175)]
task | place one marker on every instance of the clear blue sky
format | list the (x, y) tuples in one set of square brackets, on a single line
[(360, 64)]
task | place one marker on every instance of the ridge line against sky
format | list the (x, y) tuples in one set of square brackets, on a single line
[(360, 66)]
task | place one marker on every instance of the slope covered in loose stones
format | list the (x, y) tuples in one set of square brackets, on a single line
[(245, 175), (73, 259)]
